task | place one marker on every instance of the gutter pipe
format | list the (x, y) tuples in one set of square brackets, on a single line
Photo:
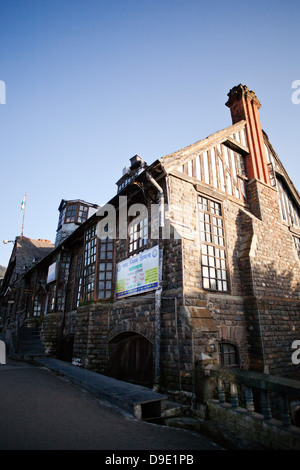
[(158, 292)]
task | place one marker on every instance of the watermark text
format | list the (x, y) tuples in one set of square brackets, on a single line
[(2, 353), (296, 93), (2, 92), (296, 354)]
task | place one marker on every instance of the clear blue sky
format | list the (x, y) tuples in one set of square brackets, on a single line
[(90, 83)]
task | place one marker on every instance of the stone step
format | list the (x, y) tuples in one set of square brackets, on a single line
[(174, 409)]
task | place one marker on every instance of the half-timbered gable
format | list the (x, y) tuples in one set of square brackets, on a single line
[(217, 162)]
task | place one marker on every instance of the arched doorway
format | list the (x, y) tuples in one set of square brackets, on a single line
[(131, 359)]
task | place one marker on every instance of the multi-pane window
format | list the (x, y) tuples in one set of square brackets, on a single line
[(90, 250), (213, 256), (105, 269), (37, 306), (71, 213), (60, 299), (82, 214), (76, 213), (97, 268), (297, 245), (228, 356), (64, 266), (89, 283), (138, 235), (289, 211), (78, 282), (90, 246)]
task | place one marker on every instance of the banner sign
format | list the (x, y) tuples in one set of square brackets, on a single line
[(138, 274)]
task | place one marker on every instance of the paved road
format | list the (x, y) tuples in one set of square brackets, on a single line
[(41, 411)]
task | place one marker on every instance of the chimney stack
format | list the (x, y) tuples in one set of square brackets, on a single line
[(244, 105)]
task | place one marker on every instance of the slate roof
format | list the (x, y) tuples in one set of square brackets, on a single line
[(27, 250)]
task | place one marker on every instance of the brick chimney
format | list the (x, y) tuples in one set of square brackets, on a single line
[(244, 105)]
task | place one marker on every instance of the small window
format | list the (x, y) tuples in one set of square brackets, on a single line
[(228, 356), (240, 163), (297, 245), (37, 306)]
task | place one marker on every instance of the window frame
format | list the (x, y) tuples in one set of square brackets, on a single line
[(78, 281), (98, 261), (80, 209), (37, 302), (214, 259), (105, 269), (228, 354), (89, 263), (296, 240), (134, 234)]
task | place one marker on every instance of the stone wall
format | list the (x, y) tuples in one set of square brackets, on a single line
[(249, 430), (209, 316), (274, 270)]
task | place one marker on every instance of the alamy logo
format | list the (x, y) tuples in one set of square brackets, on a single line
[(296, 354), (2, 92), (296, 93), (2, 353)]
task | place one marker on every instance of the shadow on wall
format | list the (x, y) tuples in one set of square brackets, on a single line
[(269, 276)]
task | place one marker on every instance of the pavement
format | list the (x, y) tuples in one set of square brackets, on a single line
[(143, 403)]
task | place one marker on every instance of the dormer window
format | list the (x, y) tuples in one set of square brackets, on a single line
[(76, 213), (71, 213)]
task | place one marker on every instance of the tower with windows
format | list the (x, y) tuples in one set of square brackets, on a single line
[(72, 213)]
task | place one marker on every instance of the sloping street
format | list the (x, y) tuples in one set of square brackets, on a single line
[(42, 411)]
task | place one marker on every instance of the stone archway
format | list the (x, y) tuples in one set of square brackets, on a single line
[(131, 358)]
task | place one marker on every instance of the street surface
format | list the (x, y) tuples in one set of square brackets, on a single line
[(42, 411)]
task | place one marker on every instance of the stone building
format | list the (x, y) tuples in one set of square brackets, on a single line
[(196, 255), (26, 253)]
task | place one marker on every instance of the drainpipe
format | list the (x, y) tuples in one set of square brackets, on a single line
[(160, 199), (158, 292)]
